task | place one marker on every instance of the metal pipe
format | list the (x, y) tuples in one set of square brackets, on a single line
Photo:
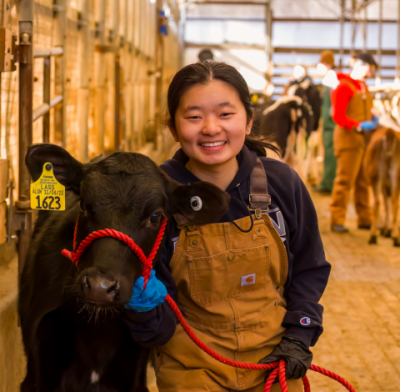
[(25, 16), (45, 108), (40, 111), (268, 40), (342, 9), (397, 79), (353, 26), (47, 52), (379, 51), (365, 29), (46, 98)]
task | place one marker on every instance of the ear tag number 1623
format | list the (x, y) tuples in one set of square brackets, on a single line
[(47, 193)]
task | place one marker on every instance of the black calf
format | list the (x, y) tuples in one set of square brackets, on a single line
[(71, 323)]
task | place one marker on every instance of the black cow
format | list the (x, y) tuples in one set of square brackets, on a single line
[(286, 114), (71, 318)]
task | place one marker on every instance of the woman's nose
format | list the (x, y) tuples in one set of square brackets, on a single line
[(211, 127)]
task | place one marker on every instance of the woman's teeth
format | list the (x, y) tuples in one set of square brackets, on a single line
[(212, 144)]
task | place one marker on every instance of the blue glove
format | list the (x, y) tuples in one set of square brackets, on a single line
[(145, 300), (375, 119), (368, 125)]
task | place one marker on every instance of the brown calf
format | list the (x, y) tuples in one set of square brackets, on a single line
[(382, 167)]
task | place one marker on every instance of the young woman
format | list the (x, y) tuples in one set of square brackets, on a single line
[(249, 284)]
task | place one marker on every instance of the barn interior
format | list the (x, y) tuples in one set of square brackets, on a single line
[(92, 77)]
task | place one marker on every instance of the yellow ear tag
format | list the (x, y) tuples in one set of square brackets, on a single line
[(47, 193)]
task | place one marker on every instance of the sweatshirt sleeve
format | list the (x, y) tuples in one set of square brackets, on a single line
[(308, 272), (157, 326), (340, 98)]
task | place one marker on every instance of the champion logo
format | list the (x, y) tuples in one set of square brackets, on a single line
[(305, 321)]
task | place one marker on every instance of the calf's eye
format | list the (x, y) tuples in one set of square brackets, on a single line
[(155, 218)]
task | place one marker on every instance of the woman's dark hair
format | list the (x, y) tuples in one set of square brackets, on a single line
[(203, 73)]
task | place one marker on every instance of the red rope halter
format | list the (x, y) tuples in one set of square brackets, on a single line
[(147, 262)]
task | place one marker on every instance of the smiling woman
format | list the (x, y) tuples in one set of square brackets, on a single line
[(238, 267)]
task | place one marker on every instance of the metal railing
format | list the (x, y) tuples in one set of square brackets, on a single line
[(44, 109)]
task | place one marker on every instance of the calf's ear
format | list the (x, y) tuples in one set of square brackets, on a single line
[(198, 204), (67, 170)]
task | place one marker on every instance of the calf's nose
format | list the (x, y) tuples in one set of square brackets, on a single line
[(100, 288)]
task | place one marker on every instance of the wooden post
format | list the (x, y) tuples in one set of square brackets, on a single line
[(83, 87), (59, 31), (100, 78)]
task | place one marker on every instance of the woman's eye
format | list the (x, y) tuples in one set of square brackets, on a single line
[(155, 218)]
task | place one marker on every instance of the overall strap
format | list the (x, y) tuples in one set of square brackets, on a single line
[(259, 198)]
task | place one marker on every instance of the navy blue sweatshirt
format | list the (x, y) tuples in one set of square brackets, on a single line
[(293, 216)]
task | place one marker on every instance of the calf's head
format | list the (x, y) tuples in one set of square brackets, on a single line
[(125, 192)]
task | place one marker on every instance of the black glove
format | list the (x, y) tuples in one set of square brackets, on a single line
[(296, 354)]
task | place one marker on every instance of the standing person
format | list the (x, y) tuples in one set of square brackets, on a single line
[(205, 55), (249, 284), (329, 82), (351, 107)]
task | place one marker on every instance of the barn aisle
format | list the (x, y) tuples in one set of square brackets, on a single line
[(361, 341)]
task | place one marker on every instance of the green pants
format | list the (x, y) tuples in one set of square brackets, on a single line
[(329, 160)]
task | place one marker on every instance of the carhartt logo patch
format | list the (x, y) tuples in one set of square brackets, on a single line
[(248, 279)]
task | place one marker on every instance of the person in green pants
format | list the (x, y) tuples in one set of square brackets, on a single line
[(329, 82)]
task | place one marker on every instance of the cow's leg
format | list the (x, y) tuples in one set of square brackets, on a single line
[(395, 183), (386, 230), (289, 156), (376, 187)]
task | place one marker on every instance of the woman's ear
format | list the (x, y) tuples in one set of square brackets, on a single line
[(249, 125), (172, 130)]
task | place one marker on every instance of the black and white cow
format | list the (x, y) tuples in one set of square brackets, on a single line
[(71, 318), (286, 122), (310, 94)]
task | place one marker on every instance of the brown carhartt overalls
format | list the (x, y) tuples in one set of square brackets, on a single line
[(349, 150), (230, 289)]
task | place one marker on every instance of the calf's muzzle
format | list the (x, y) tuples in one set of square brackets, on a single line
[(100, 288)]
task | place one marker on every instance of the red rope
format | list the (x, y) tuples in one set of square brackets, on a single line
[(147, 262)]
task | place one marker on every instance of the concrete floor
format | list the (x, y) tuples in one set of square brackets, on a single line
[(361, 341)]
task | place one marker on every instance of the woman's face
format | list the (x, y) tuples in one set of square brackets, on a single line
[(211, 123)]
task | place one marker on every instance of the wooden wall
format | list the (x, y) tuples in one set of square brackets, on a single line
[(104, 41)]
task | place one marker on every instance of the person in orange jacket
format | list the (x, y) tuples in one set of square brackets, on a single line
[(351, 111)]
